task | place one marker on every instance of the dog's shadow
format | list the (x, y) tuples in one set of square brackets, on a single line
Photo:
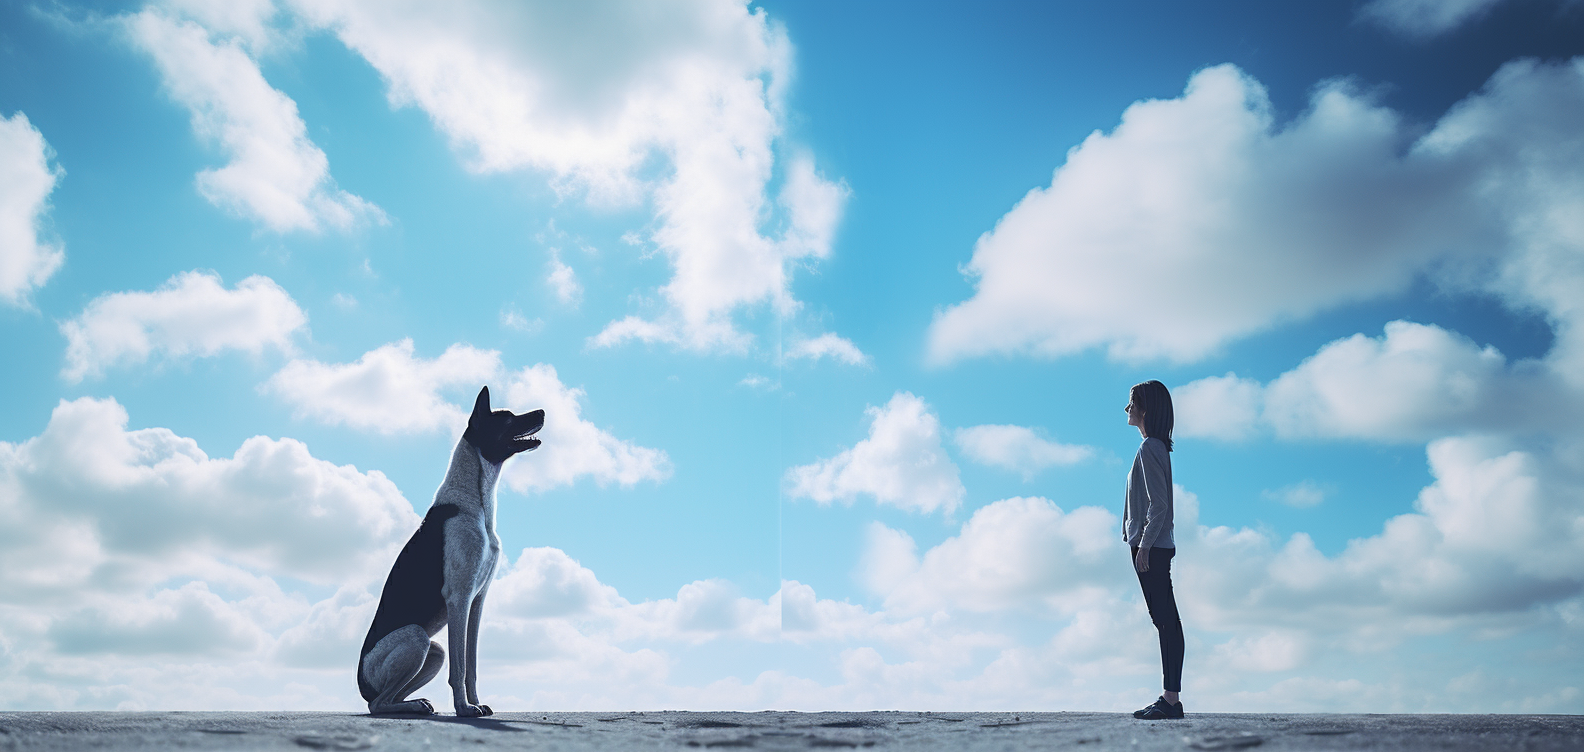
[(486, 723)]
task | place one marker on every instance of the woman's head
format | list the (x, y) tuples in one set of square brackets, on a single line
[(1154, 402)]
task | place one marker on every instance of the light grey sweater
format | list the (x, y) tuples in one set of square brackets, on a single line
[(1147, 508)]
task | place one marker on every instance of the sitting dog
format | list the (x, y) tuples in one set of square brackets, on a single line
[(441, 575)]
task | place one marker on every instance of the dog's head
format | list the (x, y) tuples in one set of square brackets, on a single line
[(498, 434)]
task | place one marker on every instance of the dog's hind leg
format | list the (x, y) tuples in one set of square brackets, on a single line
[(398, 665)]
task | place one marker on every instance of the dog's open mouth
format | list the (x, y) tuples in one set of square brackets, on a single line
[(523, 439)]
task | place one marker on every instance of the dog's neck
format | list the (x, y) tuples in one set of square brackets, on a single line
[(470, 482)]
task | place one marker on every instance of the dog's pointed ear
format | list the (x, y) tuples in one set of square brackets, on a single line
[(481, 406)]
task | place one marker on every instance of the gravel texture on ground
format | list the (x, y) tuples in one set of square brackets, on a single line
[(781, 730)]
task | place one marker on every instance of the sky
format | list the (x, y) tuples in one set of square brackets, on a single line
[(833, 309)]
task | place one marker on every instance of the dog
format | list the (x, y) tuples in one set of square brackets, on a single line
[(441, 576)]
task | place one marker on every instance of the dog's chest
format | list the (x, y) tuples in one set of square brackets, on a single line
[(472, 550)]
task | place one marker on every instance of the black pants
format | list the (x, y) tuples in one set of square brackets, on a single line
[(1163, 611)]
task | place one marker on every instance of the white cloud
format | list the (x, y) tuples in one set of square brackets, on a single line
[(573, 447), (1491, 539), (1220, 407), (1491, 553), (592, 95), (511, 318), (325, 634), (756, 381), (247, 21), (97, 507), (1518, 140), (1425, 18), (192, 314), (1011, 554), (563, 280), (186, 621), (1275, 650), (1414, 383), (141, 572), (1206, 204), (26, 180), (276, 175), (387, 390), (1233, 224), (545, 582), (1300, 495), (1018, 449), (85, 606), (901, 463), (827, 345)]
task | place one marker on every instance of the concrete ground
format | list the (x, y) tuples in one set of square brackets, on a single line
[(778, 730)]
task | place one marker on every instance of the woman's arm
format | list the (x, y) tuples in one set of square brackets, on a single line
[(1157, 488)]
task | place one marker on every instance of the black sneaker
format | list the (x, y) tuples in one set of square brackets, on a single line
[(1160, 710)]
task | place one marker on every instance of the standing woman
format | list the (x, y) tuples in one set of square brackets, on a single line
[(1147, 527)]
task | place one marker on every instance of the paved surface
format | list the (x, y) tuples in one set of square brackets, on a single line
[(785, 731)]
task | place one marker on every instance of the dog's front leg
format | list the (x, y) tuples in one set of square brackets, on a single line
[(457, 634), (475, 617)]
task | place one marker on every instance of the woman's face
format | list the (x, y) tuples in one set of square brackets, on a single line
[(1135, 413)]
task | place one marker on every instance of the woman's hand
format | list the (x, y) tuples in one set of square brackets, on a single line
[(1141, 561)]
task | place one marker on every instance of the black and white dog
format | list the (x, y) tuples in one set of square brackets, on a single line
[(441, 575)]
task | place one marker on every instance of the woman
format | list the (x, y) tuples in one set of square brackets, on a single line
[(1147, 527)]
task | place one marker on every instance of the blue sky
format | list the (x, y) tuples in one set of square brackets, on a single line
[(833, 309)]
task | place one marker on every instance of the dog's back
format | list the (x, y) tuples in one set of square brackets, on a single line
[(412, 591)]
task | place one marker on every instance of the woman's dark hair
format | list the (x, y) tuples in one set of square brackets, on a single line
[(1157, 405)]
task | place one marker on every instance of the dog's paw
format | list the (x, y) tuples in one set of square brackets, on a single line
[(486, 709), (472, 711), (411, 707)]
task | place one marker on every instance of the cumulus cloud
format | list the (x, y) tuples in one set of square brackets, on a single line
[(186, 621), (323, 635), (388, 390), (1234, 224), (592, 96), (1414, 383), (545, 582), (1492, 541), (827, 345), (191, 314), (104, 517), (1493, 537), (573, 447), (901, 463), (1206, 204), (1488, 543), (26, 180), (1423, 19), (276, 176), (545, 592), (1009, 555), (97, 506), (1018, 449), (1491, 549), (1518, 131), (1220, 407)]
